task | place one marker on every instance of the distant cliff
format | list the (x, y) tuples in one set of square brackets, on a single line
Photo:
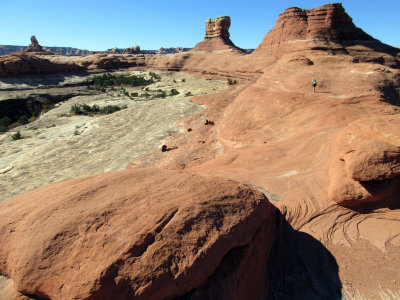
[(6, 49)]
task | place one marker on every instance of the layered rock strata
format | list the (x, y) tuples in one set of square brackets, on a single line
[(217, 36)]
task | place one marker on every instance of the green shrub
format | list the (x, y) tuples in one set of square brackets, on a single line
[(23, 120), (162, 94), (16, 136), (84, 109), (155, 76), (173, 92), (5, 121), (183, 80), (107, 79), (134, 94), (231, 82), (188, 94)]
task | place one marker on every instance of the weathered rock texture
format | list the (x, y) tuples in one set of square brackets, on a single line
[(327, 22), (20, 64), (142, 234), (365, 166), (328, 160), (296, 147), (217, 36)]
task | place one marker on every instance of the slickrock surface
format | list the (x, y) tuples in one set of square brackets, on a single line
[(61, 146), (297, 147), (148, 234), (329, 161)]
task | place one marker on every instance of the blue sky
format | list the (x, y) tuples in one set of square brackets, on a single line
[(99, 24)]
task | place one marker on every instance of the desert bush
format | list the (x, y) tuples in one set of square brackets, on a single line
[(134, 94), (23, 120), (16, 136), (5, 122), (107, 79), (231, 82), (183, 80), (84, 109), (162, 94), (173, 92), (188, 94), (155, 76)]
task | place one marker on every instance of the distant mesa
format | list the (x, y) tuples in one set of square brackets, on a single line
[(217, 36), (115, 50), (132, 50)]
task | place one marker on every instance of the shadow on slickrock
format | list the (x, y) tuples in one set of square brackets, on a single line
[(298, 267)]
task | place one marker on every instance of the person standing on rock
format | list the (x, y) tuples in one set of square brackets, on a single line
[(314, 84)]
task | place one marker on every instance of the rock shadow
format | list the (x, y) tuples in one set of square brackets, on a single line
[(300, 267), (374, 45), (44, 79)]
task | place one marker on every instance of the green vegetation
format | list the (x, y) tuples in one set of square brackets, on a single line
[(188, 94), (173, 92), (161, 94), (4, 123), (87, 110), (107, 79), (231, 82), (16, 136), (183, 80), (155, 76), (23, 120)]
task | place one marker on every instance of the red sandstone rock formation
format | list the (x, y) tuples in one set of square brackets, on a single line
[(327, 22), (19, 64), (34, 46), (217, 36), (133, 50), (137, 234), (365, 166), (328, 161)]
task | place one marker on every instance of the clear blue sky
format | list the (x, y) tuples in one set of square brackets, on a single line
[(100, 24)]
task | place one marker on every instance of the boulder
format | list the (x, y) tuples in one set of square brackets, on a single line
[(135, 234), (365, 163)]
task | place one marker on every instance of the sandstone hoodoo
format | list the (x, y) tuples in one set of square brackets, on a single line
[(217, 36), (35, 47)]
